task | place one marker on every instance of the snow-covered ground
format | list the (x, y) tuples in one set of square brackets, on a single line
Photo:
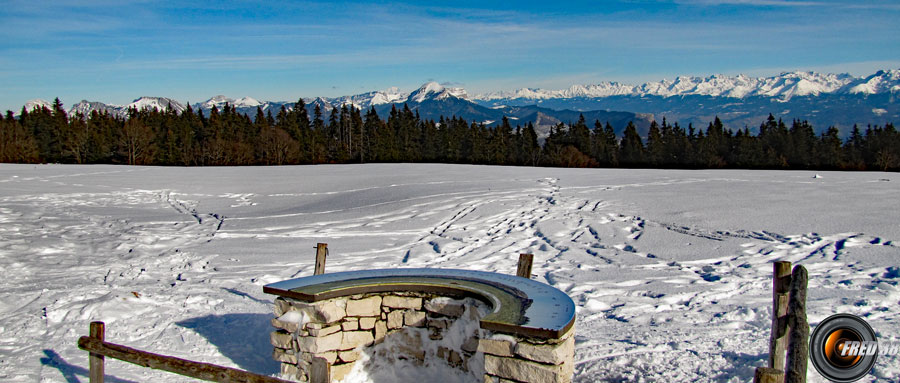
[(670, 270)]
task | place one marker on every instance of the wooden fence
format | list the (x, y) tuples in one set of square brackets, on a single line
[(790, 330), (99, 348)]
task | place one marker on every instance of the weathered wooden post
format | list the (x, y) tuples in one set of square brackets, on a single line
[(781, 285), (768, 375), (98, 330), (798, 340), (524, 269), (321, 253), (320, 371)]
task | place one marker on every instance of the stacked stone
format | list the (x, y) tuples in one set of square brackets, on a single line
[(520, 359), (334, 329)]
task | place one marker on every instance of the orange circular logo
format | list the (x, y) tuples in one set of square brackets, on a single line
[(843, 348)]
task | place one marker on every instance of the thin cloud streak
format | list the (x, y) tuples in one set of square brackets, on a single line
[(755, 3)]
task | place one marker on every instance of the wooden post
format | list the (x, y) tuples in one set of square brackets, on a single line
[(321, 253), (781, 285), (320, 372), (798, 340), (768, 375), (98, 330), (524, 269)]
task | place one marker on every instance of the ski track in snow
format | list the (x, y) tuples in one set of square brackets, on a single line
[(174, 260)]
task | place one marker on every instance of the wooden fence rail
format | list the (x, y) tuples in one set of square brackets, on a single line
[(321, 369), (99, 348)]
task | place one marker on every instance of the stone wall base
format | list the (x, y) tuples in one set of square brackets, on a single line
[(340, 329)]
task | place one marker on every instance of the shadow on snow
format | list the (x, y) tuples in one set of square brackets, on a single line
[(243, 338), (70, 371)]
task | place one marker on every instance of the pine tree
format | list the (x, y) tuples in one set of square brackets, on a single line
[(580, 135), (16, 143), (803, 145), (612, 144), (531, 151), (655, 145), (500, 138), (828, 150), (554, 145), (372, 126), (631, 149)]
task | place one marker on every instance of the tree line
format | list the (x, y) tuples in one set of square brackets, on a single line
[(348, 135)]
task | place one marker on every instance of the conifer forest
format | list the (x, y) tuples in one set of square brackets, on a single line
[(348, 135)]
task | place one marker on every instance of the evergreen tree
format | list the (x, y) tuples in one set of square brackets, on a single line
[(828, 150), (803, 145), (749, 150), (853, 150), (631, 149), (16, 143), (500, 138), (580, 135), (655, 145), (372, 126), (530, 150)]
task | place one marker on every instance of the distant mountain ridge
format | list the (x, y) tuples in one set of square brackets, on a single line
[(824, 99), (784, 87)]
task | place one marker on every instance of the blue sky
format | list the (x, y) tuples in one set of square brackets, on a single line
[(115, 51)]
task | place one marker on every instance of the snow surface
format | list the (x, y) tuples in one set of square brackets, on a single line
[(670, 270)]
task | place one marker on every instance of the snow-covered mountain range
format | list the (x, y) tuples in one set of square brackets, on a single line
[(824, 99), (86, 107), (783, 87), (248, 105)]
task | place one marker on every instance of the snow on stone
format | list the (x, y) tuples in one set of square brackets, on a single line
[(382, 363)]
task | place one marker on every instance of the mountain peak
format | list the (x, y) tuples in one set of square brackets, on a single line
[(158, 103), (247, 102), (217, 101), (429, 88), (38, 103), (434, 91)]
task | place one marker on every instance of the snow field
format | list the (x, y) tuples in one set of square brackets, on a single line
[(670, 270)]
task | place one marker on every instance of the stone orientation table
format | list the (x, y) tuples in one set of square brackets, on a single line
[(526, 327)]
